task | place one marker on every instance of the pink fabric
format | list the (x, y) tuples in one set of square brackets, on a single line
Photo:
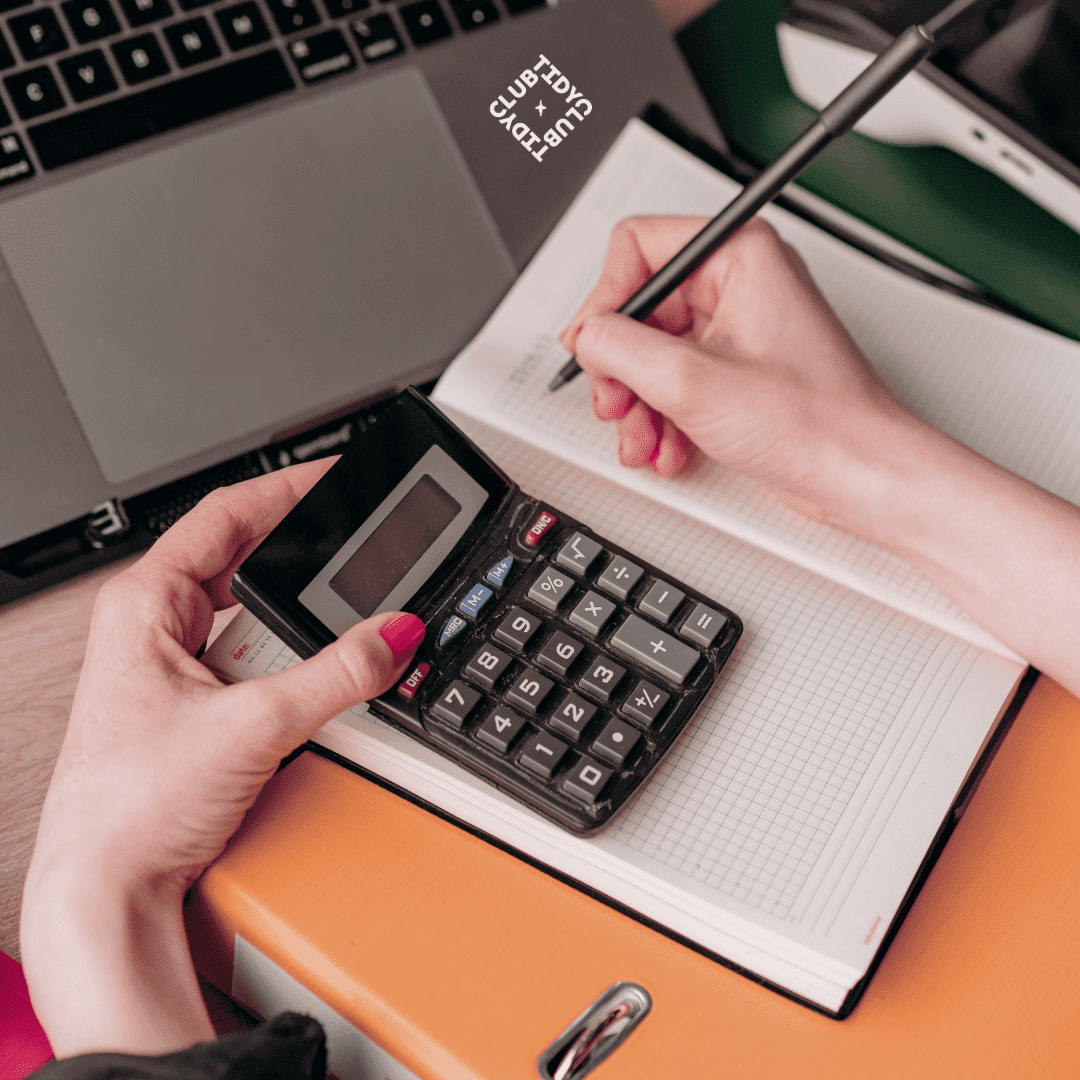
[(23, 1044)]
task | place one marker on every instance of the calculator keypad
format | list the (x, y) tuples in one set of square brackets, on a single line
[(562, 670)]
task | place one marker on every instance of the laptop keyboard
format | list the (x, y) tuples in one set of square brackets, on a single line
[(82, 77)]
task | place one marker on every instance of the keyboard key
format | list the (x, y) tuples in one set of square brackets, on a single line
[(242, 25), (550, 588), (516, 7), (140, 12), (498, 574), (471, 16), (88, 75), (500, 729), (339, 9), (518, 628), (15, 164), (587, 780), (616, 742), (542, 754), (127, 119), (7, 58), (487, 665), (192, 42), (477, 597), (572, 716), (645, 703), (455, 703), (293, 15), (90, 20), (578, 554), (425, 22), (408, 686), (38, 34), (619, 577), (560, 653), (454, 625), (529, 690), (34, 92), (592, 613), (602, 678), (654, 649), (540, 529), (703, 625), (376, 38), (661, 601), (140, 59), (321, 55)]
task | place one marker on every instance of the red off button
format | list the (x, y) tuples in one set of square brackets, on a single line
[(408, 688), (540, 528)]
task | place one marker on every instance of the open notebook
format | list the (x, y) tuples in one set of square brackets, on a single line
[(790, 823)]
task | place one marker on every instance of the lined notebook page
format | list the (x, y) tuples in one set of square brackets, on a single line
[(762, 824), (1005, 388)]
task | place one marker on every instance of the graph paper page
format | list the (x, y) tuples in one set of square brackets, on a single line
[(1005, 388), (797, 806)]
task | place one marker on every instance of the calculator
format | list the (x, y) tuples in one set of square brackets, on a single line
[(558, 666)]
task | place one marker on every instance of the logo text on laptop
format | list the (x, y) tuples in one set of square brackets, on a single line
[(554, 93)]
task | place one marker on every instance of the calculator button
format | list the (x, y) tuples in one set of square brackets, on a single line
[(539, 529), (550, 588), (587, 780), (529, 690), (572, 716), (661, 601), (518, 628), (578, 554), (592, 613), (454, 625), (616, 742), (455, 703), (645, 703), (478, 596), (619, 577), (500, 729), (487, 665), (602, 678), (654, 649), (543, 753), (703, 625), (559, 654), (498, 574), (408, 687)]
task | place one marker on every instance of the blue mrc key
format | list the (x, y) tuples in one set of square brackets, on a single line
[(497, 574), (478, 596)]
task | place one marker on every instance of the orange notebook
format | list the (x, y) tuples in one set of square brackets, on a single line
[(455, 959)]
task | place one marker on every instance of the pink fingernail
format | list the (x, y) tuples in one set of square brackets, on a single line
[(403, 635)]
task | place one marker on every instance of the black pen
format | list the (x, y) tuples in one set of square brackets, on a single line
[(837, 118)]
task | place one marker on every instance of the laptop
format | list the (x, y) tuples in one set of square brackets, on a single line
[(221, 220)]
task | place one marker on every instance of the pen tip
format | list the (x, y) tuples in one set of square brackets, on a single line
[(566, 374)]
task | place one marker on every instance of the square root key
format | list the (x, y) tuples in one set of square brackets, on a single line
[(578, 554)]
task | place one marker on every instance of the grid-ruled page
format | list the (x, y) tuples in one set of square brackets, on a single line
[(1005, 388)]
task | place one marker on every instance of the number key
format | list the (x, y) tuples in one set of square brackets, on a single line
[(559, 654), (455, 703), (518, 628), (543, 753), (500, 729), (550, 588), (529, 690), (573, 716), (586, 780), (487, 665), (603, 676)]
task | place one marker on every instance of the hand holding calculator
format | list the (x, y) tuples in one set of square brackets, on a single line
[(557, 665)]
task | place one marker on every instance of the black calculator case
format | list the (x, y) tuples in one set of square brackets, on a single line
[(271, 579)]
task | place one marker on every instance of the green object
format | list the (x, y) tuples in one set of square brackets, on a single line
[(930, 198)]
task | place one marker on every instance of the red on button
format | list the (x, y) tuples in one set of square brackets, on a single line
[(539, 527), (409, 687)]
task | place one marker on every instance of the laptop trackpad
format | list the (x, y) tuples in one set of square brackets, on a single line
[(258, 274)]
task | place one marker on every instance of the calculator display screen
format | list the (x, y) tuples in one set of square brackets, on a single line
[(399, 545), (395, 546)]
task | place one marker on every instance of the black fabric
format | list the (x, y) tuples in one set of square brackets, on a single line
[(289, 1047)]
